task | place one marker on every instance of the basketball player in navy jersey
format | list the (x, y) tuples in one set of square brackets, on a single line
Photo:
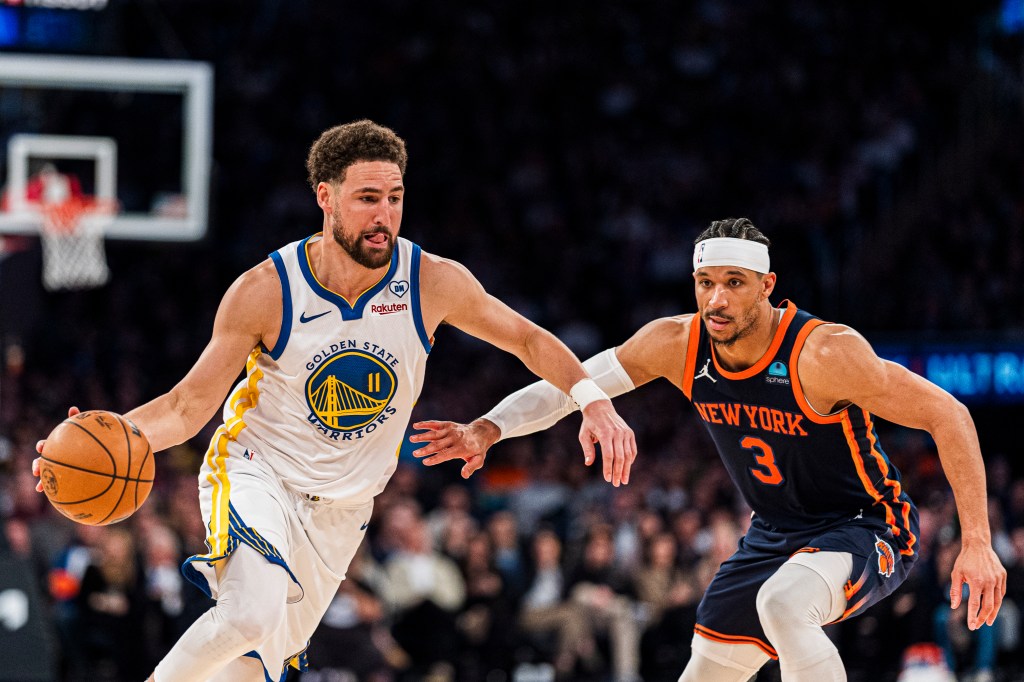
[(790, 402), (333, 333)]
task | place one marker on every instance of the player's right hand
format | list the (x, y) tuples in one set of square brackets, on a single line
[(449, 440), (602, 424), (36, 463)]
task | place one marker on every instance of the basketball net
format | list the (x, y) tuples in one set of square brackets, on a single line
[(72, 237)]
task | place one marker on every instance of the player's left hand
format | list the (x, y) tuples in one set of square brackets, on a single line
[(978, 567), (38, 461), (450, 440), (602, 424)]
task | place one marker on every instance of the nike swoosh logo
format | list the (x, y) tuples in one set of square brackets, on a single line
[(303, 319), (364, 526)]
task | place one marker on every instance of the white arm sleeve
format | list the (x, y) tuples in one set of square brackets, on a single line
[(539, 405)]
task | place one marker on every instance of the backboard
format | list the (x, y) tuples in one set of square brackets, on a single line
[(135, 132)]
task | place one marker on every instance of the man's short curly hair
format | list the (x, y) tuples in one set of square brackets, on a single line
[(737, 228), (341, 146)]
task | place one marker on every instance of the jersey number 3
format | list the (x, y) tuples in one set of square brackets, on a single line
[(766, 471)]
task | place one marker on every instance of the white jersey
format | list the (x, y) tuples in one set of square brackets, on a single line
[(327, 408)]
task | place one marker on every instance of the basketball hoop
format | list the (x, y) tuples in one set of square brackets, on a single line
[(72, 241)]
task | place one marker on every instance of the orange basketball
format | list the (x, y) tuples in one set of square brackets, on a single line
[(97, 468)]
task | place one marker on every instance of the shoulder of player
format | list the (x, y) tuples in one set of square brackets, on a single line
[(655, 349), (256, 284), (668, 330), (443, 276), (255, 297), (836, 349)]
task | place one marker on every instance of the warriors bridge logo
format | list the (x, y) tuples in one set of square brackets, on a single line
[(349, 393)]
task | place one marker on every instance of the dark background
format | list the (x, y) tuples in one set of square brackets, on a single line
[(568, 154)]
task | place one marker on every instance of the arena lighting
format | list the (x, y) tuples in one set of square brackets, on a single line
[(973, 372), (82, 5)]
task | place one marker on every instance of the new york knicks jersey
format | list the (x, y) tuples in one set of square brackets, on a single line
[(797, 469), (326, 409)]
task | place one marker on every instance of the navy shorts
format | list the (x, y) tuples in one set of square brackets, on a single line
[(728, 611)]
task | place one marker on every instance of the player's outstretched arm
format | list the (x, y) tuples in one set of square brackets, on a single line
[(838, 367), (650, 353), (247, 308), (450, 294)]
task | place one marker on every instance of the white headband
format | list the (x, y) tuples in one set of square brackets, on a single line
[(731, 251)]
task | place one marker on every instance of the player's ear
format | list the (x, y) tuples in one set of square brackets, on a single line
[(324, 192), (768, 284)]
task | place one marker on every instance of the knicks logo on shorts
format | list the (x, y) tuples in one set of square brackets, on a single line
[(886, 560), (349, 390)]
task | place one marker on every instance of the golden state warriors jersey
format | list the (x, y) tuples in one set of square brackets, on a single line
[(327, 408)]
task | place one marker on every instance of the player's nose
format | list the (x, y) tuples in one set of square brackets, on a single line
[(386, 215), (718, 298)]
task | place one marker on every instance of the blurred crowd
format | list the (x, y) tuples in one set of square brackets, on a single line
[(534, 569), (568, 154)]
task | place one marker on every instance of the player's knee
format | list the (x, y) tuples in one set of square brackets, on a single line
[(253, 622), (257, 612), (779, 602)]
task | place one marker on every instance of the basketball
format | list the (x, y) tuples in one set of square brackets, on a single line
[(97, 468)]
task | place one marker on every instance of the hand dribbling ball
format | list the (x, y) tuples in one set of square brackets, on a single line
[(97, 468)]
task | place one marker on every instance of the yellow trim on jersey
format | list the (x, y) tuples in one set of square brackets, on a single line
[(216, 455), (309, 262), (247, 396)]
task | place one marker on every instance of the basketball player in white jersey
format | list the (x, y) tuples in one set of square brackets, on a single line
[(334, 332)]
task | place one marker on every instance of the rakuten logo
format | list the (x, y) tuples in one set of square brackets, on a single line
[(389, 308)]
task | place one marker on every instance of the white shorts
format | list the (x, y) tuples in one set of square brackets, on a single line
[(244, 502)]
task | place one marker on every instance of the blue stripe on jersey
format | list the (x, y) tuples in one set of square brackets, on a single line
[(417, 314), (237, 532), (348, 312), (266, 673), (301, 664), (286, 314)]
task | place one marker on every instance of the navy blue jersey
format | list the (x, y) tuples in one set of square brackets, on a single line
[(797, 469)]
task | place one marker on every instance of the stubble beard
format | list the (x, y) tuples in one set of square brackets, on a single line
[(360, 252), (745, 326)]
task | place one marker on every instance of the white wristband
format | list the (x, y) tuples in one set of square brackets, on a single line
[(586, 391)]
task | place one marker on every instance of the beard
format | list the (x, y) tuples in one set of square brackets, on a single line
[(744, 326), (361, 253)]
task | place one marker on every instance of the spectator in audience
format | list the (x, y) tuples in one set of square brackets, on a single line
[(112, 611), (508, 551), (607, 600), (669, 596), (486, 622), (546, 612), (423, 591), (353, 638), (64, 582)]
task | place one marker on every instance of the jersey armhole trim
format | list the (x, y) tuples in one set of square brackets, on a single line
[(798, 391), (286, 308), (417, 313)]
